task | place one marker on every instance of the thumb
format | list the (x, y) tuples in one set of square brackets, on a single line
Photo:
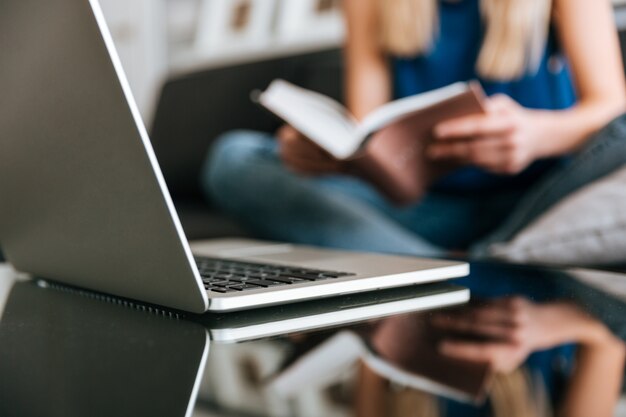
[(499, 103)]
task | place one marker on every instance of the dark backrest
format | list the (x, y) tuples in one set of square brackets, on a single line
[(195, 109)]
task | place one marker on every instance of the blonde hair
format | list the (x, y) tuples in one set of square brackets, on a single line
[(514, 42), (511, 396)]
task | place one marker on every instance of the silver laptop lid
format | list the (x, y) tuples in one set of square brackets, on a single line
[(82, 199)]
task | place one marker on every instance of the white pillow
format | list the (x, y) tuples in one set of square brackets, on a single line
[(586, 228)]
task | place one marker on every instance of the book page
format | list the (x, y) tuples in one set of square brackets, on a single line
[(320, 118), (396, 110), (408, 379), (321, 366)]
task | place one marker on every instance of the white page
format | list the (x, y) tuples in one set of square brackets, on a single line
[(331, 126), (321, 366), (318, 117), (398, 109), (408, 379)]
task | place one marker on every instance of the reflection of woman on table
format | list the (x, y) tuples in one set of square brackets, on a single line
[(505, 333)]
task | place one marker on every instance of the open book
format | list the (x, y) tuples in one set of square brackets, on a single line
[(388, 145), (429, 372)]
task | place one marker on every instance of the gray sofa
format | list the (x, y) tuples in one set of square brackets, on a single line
[(195, 109)]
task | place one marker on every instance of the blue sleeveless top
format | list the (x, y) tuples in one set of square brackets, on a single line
[(453, 58)]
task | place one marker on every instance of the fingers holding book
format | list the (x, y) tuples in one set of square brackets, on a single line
[(303, 156), (501, 141)]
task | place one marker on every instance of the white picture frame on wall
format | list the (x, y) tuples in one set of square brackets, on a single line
[(227, 26), (310, 20)]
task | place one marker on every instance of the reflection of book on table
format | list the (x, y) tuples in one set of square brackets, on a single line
[(388, 145), (452, 379)]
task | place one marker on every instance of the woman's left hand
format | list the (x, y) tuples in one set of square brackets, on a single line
[(503, 141)]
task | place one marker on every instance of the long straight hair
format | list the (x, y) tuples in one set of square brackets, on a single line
[(515, 37), (512, 395)]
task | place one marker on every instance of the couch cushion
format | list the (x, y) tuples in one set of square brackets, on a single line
[(587, 228)]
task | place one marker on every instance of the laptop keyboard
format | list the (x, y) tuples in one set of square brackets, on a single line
[(228, 276)]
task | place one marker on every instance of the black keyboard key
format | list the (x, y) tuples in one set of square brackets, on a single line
[(333, 276), (222, 290), (242, 287), (287, 280), (265, 283), (328, 275), (308, 277), (262, 276), (322, 277), (221, 283), (240, 279), (229, 276)]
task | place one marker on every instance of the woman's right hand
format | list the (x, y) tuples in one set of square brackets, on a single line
[(303, 156), (511, 328)]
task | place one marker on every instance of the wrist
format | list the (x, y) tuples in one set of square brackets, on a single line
[(545, 145), (577, 326), (597, 335), (588, 331)]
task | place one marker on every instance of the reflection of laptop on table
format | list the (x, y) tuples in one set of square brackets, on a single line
[(67, 355), (112, 377), (84, 201), (335, 311)]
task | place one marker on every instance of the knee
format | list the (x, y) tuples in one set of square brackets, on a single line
[(232, 158), (238, 146)]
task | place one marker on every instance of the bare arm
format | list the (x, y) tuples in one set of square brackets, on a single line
[(595, 386), (367, 77), (370, 396), (510, 137), (589, 37)]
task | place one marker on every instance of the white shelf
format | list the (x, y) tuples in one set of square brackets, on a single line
[(153, 46), (271, 34), (191, 59), (140, 40)]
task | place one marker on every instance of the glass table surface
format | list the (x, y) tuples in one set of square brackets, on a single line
[(507, 340)]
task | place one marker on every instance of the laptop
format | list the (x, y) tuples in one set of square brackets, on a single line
[(126, 376), (84, 201), (330, 312)]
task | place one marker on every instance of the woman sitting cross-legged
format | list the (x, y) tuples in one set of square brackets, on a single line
[(554, 77)]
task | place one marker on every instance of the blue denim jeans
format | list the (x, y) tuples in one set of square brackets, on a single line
[(245, 177)]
